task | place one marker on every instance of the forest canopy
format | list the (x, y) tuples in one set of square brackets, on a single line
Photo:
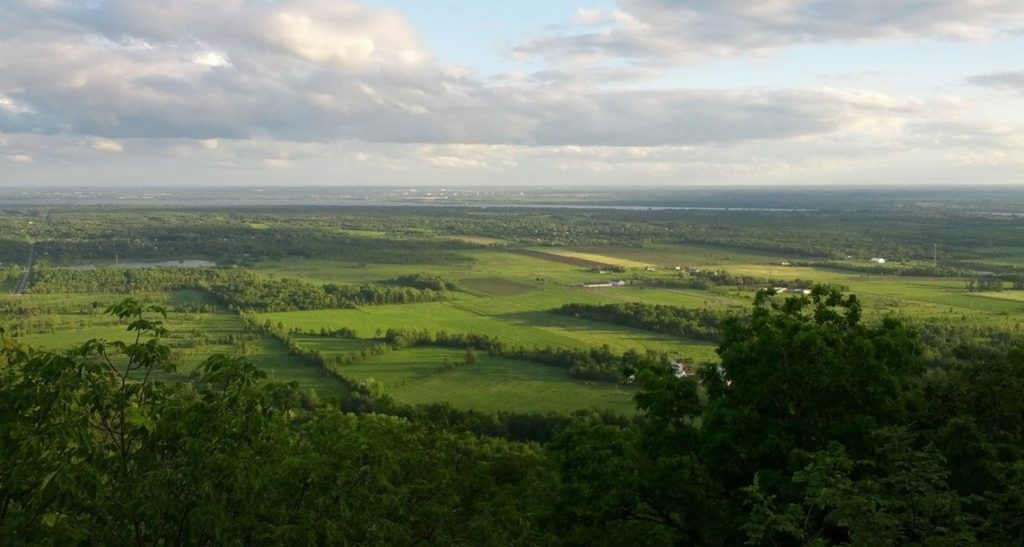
[(814, 429)]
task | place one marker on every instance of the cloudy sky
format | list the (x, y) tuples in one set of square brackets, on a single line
[(532, 92)]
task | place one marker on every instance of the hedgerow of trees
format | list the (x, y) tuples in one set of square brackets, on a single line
[(699, 324), (236, 288)]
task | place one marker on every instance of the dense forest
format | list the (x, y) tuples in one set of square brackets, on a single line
[(239, 289), (814, 429), (424, 235)]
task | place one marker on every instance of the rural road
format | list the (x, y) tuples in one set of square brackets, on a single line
[(25, 277)]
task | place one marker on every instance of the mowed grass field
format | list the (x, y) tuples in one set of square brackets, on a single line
[(419, 376)]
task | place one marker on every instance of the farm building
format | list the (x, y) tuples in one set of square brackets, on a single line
[(619, 283), (683, 369)]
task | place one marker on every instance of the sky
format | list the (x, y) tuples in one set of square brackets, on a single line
[(141, 93)]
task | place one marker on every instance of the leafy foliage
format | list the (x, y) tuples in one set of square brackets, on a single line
[(94, 453), (815, 429)]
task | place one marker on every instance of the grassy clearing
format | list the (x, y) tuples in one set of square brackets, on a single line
[(589, 258), (495, 286), (190, 296), (479, 240), (419, 376), (68, 336), (332, 347), (559, 258), (939, 299), (669, 256), (362, 233), (1012, 296)]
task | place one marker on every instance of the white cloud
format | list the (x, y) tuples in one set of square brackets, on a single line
[(19, 158), (324, 91), (278, 163), (454, 162), (684, 31), (212, 59), (107, 145), (590, 16), (308, 71), (9, 105)]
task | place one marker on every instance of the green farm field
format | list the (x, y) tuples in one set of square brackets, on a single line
[(520, 321), (419, 376), (914, 298), (482, 263), (510, 294), (220, 333)]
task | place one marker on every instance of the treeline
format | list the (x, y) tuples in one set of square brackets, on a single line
[(270, 295), (699, 323), (600, 363), (427, 282), (951, 344), (911, 269), (241, 236), (228, 237), (991, 283), (706, 280), (234, 288), (48, 280), (896, 234), (1003, 272)]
